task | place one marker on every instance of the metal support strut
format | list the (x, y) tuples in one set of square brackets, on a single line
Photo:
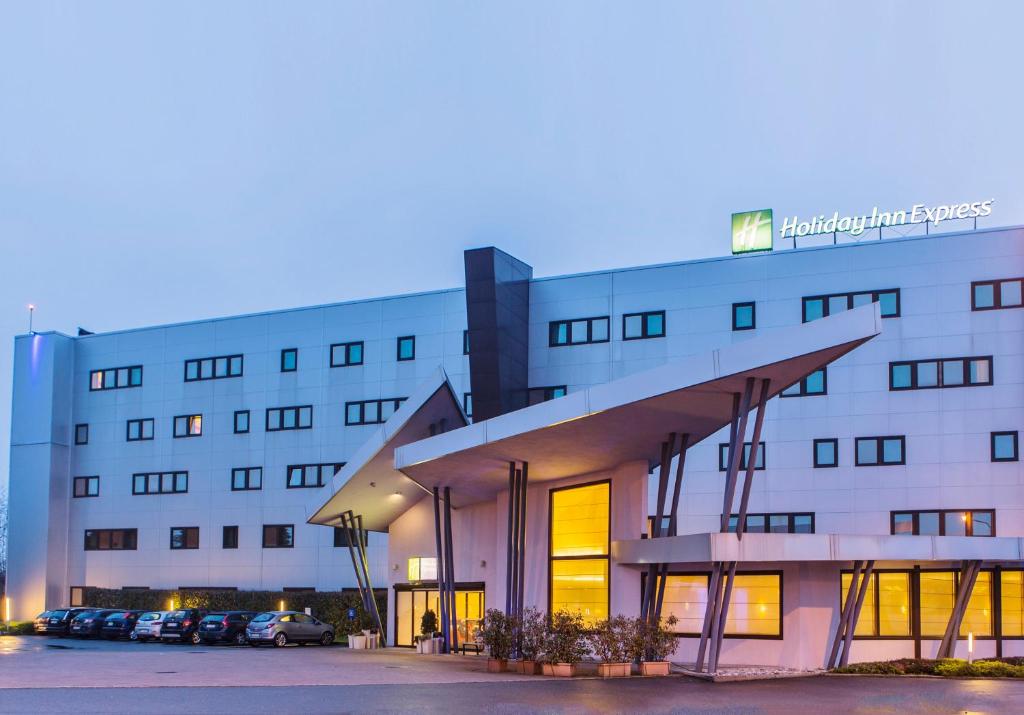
[(515, 567), (969, 571), (356, 537)]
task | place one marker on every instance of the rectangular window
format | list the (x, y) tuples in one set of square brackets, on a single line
[(115, 378), (371, 412), (756, 606), (639, 326), (579, 541), (347, 354), (465, 342), (826, 453), (940, 372), (140, 430), (775, 523), (82, 434), (938, 593), (86, 487), (111, 539), (341, 539), (184, 537), (723, 456), (944, 522), (997, 294), (289, 418), (241, 421), (536, 395), (289, 360), (578, 332), (467, 403), (814, 384), (820, 306), (1011, 602), (160, 483), (244, 479), (880, 451), (406, 348), (230, 538), (886, 610), (278, 536), (744, 316), (213, 368), (1005, 447), (308, 476), (188, 426)]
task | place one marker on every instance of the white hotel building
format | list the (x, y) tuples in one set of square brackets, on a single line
[(218, 453)]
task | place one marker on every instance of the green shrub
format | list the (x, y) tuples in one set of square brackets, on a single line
[(20, 628), (496, 632), (949, 667), (565, 641), (980, 669)]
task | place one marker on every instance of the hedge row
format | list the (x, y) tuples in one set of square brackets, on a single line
[(987, 668), (329, 606)]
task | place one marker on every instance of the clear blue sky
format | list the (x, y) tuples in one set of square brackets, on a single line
[(172, 161)]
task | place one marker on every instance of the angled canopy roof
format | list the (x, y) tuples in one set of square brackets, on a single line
[(626, 420), (368, 484)]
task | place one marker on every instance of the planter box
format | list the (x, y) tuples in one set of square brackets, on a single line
[(497, 665), (425, 646), (613, 670), (560, 670), (528, 667), (357, 642), (654, 667)]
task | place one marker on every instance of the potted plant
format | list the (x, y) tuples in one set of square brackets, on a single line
[(356, 639), (496, 634), (426, 642), (532, 630), (564, 644), (610, 642), (653, 644)]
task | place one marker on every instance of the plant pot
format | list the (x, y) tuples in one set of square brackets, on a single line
[(438, 645), (373, 641), (654, 667), (426, 646), (560, 670), (357, 642), (613, 670), (497, 665), (528, 667)]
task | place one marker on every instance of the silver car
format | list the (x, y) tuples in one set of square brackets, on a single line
[(284, 627), (148, 626)]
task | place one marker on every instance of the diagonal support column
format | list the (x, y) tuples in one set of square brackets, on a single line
[(684, 442), (652, 569), (968, 577), (738, 435), (851, 624), (844, 616), (710, 612), (755, 441), (441, 585), (449, 566), (353, 526)]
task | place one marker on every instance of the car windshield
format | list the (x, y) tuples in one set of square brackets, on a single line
[(214, 618), (263, 618), (44, 614), (83, 615), (153, 616), (116, 616), (58, 614), (180, 614)]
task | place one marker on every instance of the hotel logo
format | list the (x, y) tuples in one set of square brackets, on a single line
[(752, 231)]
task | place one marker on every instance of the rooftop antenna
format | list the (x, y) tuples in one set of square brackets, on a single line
[(31, 311)]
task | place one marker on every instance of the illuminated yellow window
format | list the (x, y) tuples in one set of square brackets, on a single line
[(686, 597), (422, 568), (579, 529), (1012, 602), (978, 615), (755, 608), (867, 622), (938, 592), (886, 609)]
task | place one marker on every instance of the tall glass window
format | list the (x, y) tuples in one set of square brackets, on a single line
[(1012, 603), (580, 525)]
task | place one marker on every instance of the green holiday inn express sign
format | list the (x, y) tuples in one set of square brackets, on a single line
[(752, 231)]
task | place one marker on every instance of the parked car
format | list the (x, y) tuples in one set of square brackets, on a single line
[(120, 624), (225, 627), (148, 626), (284, 627), (182, 626), (57, 622), (39, 624), (88, 624)]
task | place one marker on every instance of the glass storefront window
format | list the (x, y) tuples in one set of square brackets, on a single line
[(580, 523), (755, 608), (1012, 603)]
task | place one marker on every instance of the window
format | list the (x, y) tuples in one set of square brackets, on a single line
[(775, 523), (341, 539), (421, 568), (944, 522), (184, 537), (940, 372), (141, 430), (289, 360), (938, 593), (1005, 447), (1011, 603), (244, 479), (230, 538), (289, 418), (371, 412), (241, 421), (467, 403), (347, 354), (213, 368), (82, 434), (878, 451), (579, 538), (886, 610), (111, 539), (814, 384), (86, 487), (278, 536), (536, 395), (115, 378), (160, 483), (744, 316), (307, 476), (578, 332), (826, 453), (993, 295), (819, 306), (465, 342), (188, 426), (406, 348), (723, 456), (638, 326), (755, 609)]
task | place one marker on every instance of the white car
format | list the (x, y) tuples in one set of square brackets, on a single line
[(148, 626)]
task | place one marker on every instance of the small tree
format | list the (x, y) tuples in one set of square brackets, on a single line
[(496, 633), (532, 631), (428, 624), (611, 638), (653, 642), (565, 641)]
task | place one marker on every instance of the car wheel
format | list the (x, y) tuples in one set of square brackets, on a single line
[(327, 638), (133, 637), (196, 640), (240, 638), (280, 640)]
